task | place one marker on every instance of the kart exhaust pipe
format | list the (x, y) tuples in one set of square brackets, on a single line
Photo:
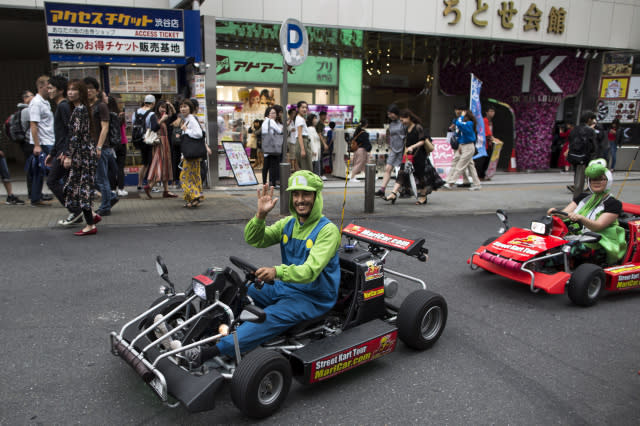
[(136, 363)]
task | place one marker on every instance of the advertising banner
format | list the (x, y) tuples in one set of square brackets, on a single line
[(441, 156), (476, 108), (83, 29), (261, 67)]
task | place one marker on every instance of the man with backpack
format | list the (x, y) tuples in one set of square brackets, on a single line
[(582, 145), (144, 118)]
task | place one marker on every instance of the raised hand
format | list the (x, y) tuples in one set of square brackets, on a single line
[(266, 202)]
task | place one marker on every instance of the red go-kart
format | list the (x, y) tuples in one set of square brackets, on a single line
[(541, 257)]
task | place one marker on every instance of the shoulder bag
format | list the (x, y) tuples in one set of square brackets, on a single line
[(354, 143), (193, 148), (151, 137), (272, 141)]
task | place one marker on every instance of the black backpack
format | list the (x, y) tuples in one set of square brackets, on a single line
[(139, 127), (580, 145), (16, 131), (114, 130)]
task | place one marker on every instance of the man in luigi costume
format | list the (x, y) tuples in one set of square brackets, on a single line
[(306, 283), (597, 211)]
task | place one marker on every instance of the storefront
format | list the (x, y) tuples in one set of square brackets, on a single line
[(132, 52)]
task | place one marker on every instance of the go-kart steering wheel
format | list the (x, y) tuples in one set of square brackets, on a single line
[(559, 213), (249, 270)]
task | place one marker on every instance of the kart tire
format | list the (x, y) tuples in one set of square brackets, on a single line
[(261, 383), (421, 319), (586, 284)]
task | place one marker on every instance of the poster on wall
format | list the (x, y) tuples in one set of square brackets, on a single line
[(611, 88), (617, 64), (240, 163), (625, 111), (634, 88)]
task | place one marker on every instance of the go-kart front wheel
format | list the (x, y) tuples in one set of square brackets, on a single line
[(421, 319), (586, 284), (261, 383)]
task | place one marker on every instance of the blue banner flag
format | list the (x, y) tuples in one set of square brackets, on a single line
[(476, 108)]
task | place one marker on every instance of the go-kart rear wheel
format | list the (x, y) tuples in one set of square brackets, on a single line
[(261, 383), (586, 284), (421, 319)]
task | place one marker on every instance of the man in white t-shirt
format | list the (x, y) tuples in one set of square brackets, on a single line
[(303, 149), (41, 138)]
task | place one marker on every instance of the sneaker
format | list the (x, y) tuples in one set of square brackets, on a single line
[(464, 185), (102, 212), (156, 189), (13, 200), (354, 180), (475, 187), (324, 177), (47, 197), (193, 356), (122, 193), (40, 204), (71, 219), (447, 186), (113, 201)]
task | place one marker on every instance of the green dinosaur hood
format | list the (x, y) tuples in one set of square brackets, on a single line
[(305, 180)]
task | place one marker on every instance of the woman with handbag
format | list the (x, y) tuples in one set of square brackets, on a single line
[(175, 137), (194, 149), (418, 145), (160, 169), (271, 145), (360, 142)]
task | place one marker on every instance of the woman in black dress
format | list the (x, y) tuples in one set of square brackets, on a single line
[(82, 159), (418, 144)]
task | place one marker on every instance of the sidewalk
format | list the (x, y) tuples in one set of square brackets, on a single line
[(510, 191)]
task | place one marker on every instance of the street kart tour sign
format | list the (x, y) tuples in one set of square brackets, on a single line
[(80, 29), (294, 42)]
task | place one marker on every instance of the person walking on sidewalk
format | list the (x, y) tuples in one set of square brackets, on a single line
[(150, 122), (42, 139), (104, 148), (361, 136), (271, 131), (395, 136), (582, 145), (60, 149), (82, 159), (190, 176), (160, 169), (463, 158), (303, 149), (120, 149), (12, 199)]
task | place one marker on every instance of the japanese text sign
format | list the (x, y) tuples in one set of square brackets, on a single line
[(101, 30)]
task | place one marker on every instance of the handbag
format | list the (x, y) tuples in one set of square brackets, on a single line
[(193, 148), (354, 143), (452, 138), (272, 141), (151, 137)]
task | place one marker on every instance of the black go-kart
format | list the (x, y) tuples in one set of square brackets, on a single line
[(363, 325)]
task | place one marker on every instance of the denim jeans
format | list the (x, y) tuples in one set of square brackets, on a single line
[(613, 148), (4, 170), (36, 175), (107, 160)]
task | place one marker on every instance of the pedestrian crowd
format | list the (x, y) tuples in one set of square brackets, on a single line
[(73, 136)]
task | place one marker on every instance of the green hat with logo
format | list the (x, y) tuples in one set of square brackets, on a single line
[(304, 180)]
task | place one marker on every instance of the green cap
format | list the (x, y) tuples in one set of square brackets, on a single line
[(304, 180)]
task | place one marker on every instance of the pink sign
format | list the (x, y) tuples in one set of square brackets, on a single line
[(441, 156)]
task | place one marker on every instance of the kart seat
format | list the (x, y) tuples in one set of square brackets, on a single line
[(306, 324)]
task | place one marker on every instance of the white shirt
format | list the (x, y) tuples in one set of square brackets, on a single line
[(271, 123), (193, 127), (302, 122), (292, 136), (40, 112)]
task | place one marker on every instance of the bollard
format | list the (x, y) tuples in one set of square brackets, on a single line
[(369, 187), (285, 171)]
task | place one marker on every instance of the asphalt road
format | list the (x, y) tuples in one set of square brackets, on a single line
[(507, 356)]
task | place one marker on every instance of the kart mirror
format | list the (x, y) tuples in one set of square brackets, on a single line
[(162, 270), (502, 217), (161, 267), (252, 313)]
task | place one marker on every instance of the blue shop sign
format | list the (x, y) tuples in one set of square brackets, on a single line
[(78, 32)]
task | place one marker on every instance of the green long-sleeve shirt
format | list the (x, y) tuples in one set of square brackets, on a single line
[(257, 234)]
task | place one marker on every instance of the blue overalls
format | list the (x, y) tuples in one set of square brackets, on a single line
[(287, 304)]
